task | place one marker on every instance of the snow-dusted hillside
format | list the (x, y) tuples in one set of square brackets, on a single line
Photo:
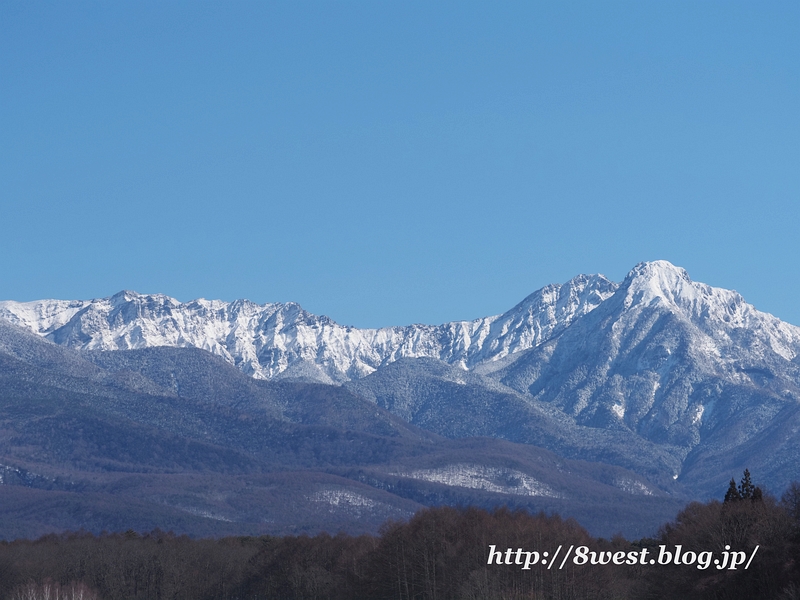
[(272, 340)]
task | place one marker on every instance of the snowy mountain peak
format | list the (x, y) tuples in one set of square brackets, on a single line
[(284, 340), (720, 314), (662, 271), (660, 280), (126, 295)]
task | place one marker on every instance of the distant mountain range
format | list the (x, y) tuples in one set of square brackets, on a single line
[(283, 340), (611, 402)]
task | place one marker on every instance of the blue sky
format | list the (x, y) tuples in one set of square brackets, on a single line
[(394, 162)]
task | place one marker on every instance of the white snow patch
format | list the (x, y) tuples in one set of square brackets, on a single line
[(342, 498), (479, 477), (632, 486), (199, 512), (698, 414)]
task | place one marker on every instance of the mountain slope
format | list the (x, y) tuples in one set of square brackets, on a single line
[(457, 404), (178, 438)]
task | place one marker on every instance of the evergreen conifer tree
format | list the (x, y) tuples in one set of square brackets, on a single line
[(732, 494), (746, 487)]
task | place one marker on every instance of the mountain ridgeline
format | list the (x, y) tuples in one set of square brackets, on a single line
[(610, 402), (282, 340)]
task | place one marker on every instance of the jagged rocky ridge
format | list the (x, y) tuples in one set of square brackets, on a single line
[(275, 340)]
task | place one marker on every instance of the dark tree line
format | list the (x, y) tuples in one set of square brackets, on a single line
[(441, 554)]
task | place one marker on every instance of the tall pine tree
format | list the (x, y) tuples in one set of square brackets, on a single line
[(746, 487), (732, 494)]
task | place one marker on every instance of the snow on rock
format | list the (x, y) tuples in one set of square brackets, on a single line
[(717, 312), (266, 340), (283, 340)]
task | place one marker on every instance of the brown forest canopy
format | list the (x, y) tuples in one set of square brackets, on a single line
[(440, 553)]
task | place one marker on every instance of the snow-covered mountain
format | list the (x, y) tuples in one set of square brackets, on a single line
[(283, 340), (680, 382), (653, 339), (692, 368)]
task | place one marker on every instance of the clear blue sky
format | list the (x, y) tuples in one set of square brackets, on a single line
[(394, 162)]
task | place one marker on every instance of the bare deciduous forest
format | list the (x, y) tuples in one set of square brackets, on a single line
[(441, 553)]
